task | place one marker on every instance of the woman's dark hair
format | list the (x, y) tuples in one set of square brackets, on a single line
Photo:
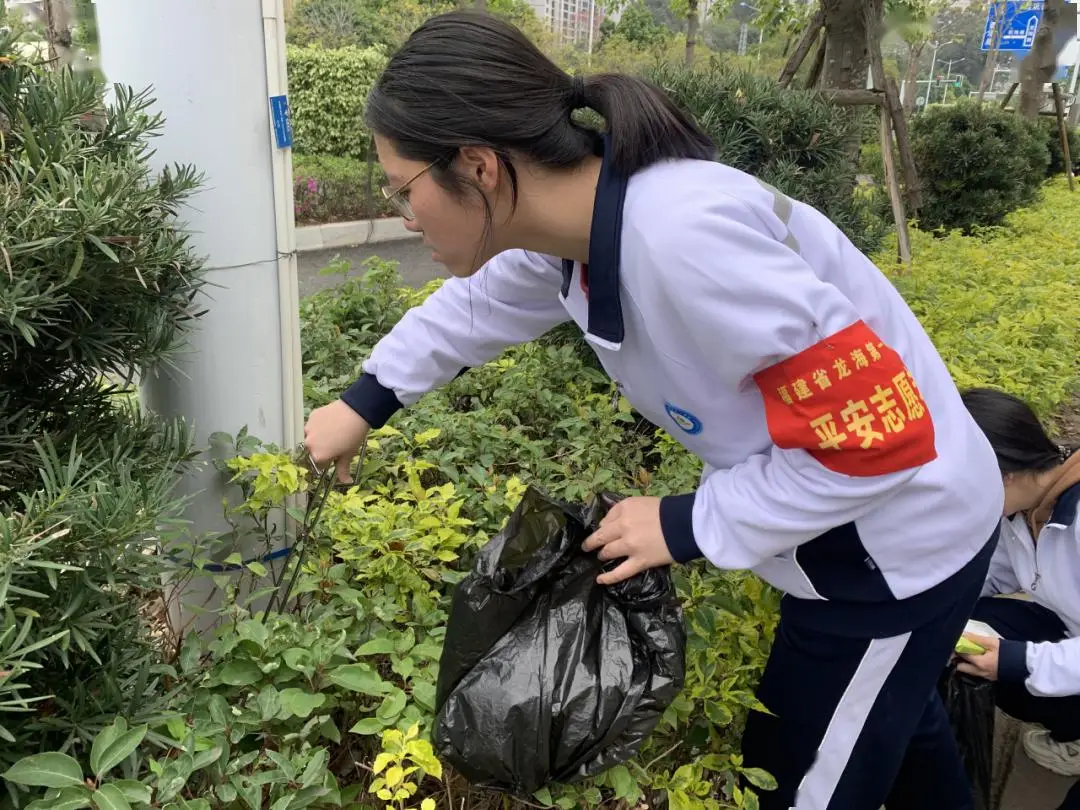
[(468, 78), (1014, 431)]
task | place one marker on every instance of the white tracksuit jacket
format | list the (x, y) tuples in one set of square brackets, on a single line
[(841, 464), (1048, 571)]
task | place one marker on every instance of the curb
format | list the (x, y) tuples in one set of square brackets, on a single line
[(348, 234)]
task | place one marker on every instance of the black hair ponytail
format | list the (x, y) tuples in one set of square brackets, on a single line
[(468, 78), (1018, 438)]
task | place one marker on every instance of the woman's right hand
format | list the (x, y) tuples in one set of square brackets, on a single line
[(334, 433)]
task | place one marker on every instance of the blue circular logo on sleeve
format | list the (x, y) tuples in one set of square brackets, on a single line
[(686, 421)]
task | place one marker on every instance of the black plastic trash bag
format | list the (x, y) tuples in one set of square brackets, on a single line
[(547, 676), (969, 702)]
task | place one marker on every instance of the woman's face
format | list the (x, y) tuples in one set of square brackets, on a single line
[(453, 226), (1023, 491)]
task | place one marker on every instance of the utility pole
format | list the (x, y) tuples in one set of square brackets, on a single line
[(217, 69), (592, 28), (930, 84)]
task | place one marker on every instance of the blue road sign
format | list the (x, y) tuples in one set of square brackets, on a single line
[(279, 111), (1020, 21)]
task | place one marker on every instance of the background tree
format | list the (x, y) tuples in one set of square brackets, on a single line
[(1040, 64), (638, 25)]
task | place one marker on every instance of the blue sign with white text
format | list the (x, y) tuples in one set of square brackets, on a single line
[(279, 111), (1019, 22)]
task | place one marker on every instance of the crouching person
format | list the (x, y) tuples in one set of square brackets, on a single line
[(1036, 662)]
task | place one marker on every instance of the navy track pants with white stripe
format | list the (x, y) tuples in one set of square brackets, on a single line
[(857, 722)]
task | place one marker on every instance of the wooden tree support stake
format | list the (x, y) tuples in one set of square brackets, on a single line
[(912, 190), (903, 237), (1008, 96), (813, 78), (1063, 128), (806, 42), (890, 111), (855, 98)]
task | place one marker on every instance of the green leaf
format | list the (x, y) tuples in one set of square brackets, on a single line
[(108, 251), (206, 757), (134, 791), (759, 778), (189, 804), (76, 266), (391, 707), (359, 678), (51, 770), (110, 797), (298, 703), (377, 646), (257, 568), (544, 797), (369, 725), (623, 783), (70, 798), (113, 745), (316, 769), (718, 713), (240, 672), (404, 667), (269, 703), (423, 695)]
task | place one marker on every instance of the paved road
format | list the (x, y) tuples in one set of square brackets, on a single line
[(414, 263), (1030, 787)]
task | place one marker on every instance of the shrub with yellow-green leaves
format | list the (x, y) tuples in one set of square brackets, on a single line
[(1003, 308), (329, 700)]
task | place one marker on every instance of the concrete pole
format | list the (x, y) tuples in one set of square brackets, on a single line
[(213, 67), (933, 66)]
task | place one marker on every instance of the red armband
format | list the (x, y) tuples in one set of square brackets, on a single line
[(850, 402)]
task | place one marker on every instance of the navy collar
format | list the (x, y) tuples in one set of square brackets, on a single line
[(605, 241), (1066, 507)]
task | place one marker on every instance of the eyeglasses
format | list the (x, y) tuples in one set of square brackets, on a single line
[(399, 202)]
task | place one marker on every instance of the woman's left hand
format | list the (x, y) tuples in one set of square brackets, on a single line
[(981, 666), (631, 529)]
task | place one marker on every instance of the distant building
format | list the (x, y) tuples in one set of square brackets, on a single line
[(569, 19)]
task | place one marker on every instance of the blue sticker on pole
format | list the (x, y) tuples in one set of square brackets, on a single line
[(279, 112), (1016, 22)]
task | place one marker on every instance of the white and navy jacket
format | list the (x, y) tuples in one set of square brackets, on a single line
[(841, 464), (1049, 572)]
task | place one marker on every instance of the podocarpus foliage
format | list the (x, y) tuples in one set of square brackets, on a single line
[(96, 284)]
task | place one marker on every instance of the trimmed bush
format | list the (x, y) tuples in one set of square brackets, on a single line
[(336, 189), (327, 91), (977, 163), (790, 138)]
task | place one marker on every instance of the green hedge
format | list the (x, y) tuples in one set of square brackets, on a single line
[(790, 138), (976, 164), (328, 90), (336, 189)]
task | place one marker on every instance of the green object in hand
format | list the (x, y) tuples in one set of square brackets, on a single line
[(967, 647)]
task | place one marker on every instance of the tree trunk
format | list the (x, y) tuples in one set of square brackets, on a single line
[(1039, 65), (58, 32), (847, 58), (987, 77), (692, 24), (911, 85)]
